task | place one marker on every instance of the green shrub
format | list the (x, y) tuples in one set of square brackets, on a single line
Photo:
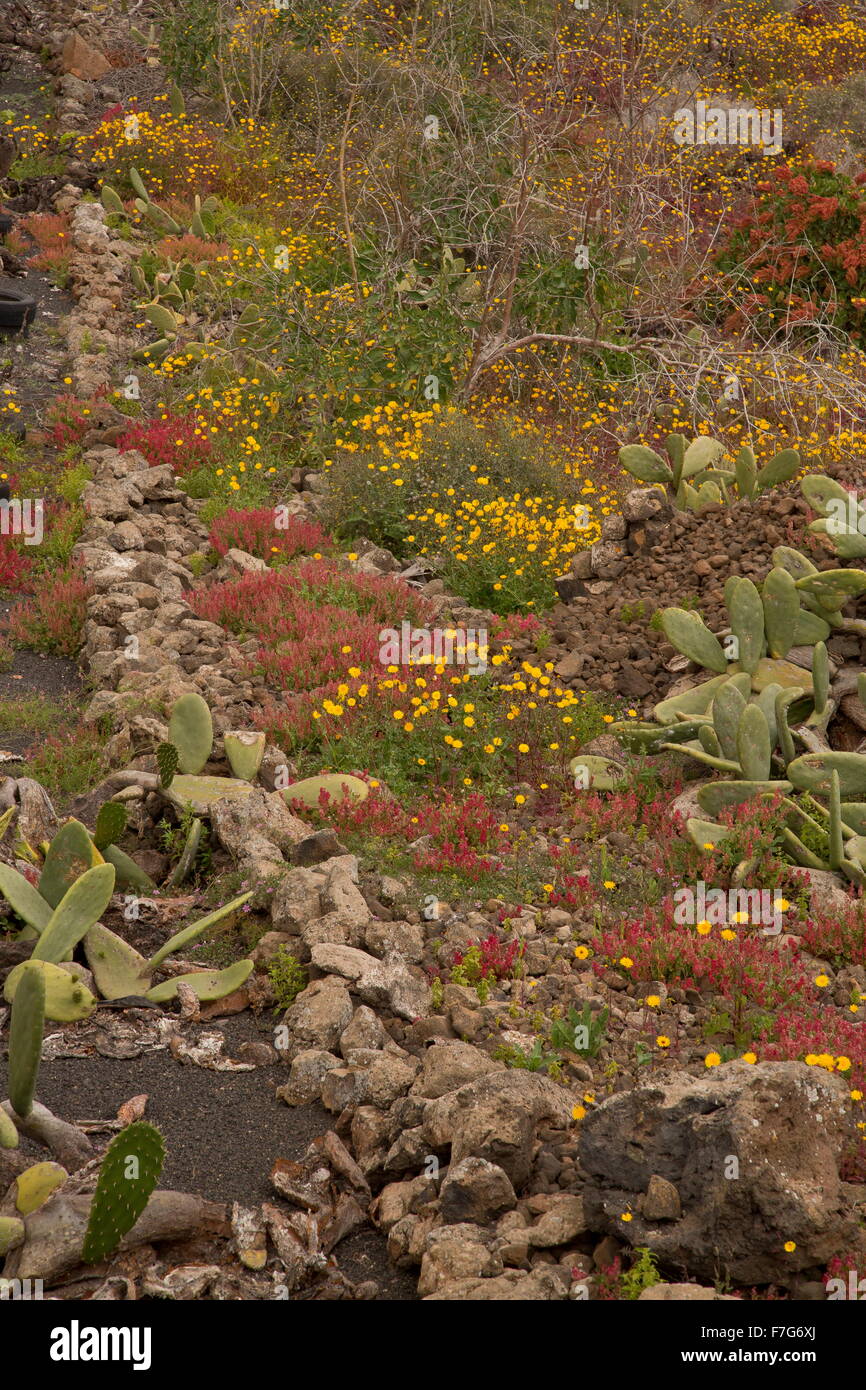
[(287, 976)]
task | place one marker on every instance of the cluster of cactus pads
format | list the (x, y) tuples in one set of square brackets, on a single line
[(79, 872), (63, 911), (169, 291), (190, 745), (132, 1164), (763, 718), (841, 519), (694, 475)]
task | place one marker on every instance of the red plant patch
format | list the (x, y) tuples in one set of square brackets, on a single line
[(261, 531), (50, 231), (178, 440), (53, 619), (191, 248)]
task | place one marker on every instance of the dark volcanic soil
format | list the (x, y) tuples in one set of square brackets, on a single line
[(223, 1131)]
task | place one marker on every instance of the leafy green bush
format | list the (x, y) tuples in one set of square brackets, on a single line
[(287, 976)]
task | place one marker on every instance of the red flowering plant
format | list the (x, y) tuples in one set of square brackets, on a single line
[(751, 976), (53, 619), (70, 417), (263, 532), (797, 254), (181, 441)]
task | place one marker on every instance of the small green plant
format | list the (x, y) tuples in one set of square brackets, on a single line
[(642, 1275), (437, 993), (198, 562), (70, 484), (632, 612), (582, 1032), (287, 976), (174, 839), (536, 1059)]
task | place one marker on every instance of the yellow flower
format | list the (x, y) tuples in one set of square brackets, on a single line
[(662, 1041), (750, 1057), (609, 883), (790, 1246), (581, 952), (626, 962), (712, 1059), (704, 928), (625, 1216), (653, 1000), (822, 981), (578, 1112)]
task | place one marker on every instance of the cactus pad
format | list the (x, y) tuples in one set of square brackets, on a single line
[(129, 1173), (191, 731), (110, 824), (25, 1038)]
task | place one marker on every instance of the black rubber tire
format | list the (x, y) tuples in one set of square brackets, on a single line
[(17, 310)]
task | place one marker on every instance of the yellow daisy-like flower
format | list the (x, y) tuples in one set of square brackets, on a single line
[(712, 1059), (625, 1216), (790, 1246), (578, 1112), (609, 883), (703, 928), (662, 1041), (581, 952), (750, 1057), (626, 962), (653, 1000), (822, 981)]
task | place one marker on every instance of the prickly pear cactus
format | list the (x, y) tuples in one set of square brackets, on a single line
[(336, 785), (8, 1132), (76, 913), (12, 1233), (35, 1185), (25, 1039), (190, 729), (110, 824), (167, 761), (244, 750), (70, 854), (129, 1173)]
